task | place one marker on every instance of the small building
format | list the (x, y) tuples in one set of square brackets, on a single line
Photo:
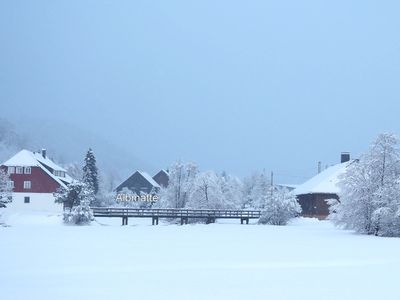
[(34, 178), (140, 183), (162, 178), (314, 193)]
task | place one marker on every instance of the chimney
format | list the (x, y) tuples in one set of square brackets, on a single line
[(44, 153), (344, 157)]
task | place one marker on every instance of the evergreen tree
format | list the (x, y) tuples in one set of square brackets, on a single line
[(76, 199), (90, 172), (5, 189)]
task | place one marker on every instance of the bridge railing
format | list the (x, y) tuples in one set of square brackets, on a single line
[(175, 213)]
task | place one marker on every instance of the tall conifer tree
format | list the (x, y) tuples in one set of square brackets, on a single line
[(90, 172)]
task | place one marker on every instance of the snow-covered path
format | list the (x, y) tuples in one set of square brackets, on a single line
[(41, 259)]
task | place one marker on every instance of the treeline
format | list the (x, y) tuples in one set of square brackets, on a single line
[(190, 188)]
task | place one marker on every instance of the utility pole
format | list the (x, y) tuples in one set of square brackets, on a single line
[(272, 178), (272, 183)]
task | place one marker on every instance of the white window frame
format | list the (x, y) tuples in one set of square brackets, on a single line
[(10, 184), (27, 185), (19, 170), (27, 170), (11, 170)]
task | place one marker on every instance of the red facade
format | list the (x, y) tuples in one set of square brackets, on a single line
[(41, 182)]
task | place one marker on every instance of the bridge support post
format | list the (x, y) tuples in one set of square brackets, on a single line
[(154, 221), (124, 221), (244, 219), (210, 220)]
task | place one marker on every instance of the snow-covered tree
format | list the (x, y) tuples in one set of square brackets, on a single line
[(280, 206), (206, 192), (76, 199), (90, 172), (181, 178), (370, 191), (74, 170), (5, 189), (232, 191), (256, 187), (105, 199)]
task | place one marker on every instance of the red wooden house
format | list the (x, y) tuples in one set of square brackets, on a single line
[(34, 178)]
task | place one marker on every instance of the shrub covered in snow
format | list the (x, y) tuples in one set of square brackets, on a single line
[(280, 206), (370, 191), (79, 215), (76, 199)]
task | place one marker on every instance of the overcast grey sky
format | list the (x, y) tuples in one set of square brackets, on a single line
[(232, 85)]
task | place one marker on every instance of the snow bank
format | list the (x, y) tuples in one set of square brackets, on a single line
[(308, 259)]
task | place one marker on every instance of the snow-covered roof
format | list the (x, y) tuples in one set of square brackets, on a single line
[(23, 158), (48, 162), (149, 179), (26, 158), (325, 182), (166, 172)]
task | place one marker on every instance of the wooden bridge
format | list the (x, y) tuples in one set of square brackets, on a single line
[(210, 215)]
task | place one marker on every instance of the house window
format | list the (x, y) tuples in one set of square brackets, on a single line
[(10, 184), (11, 170), (27, 199), (27, 185), (59, 173), (27, 170), (19, 170)]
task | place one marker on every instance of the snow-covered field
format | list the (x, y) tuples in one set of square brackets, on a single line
[(42, 259)]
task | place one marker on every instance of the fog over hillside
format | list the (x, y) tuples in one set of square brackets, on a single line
[(67, 144)]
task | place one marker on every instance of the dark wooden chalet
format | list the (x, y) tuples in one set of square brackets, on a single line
[(314, 193), (139, 183), (162, 178)]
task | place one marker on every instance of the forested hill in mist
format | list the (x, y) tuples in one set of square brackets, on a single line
[(67, 145)]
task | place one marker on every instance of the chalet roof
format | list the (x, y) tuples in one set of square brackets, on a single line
[(149, 179), (48, 162), (26, 158), (163, 171), (23, 158), (325, 182)]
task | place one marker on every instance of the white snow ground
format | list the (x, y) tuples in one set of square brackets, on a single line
[(42, 259)]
